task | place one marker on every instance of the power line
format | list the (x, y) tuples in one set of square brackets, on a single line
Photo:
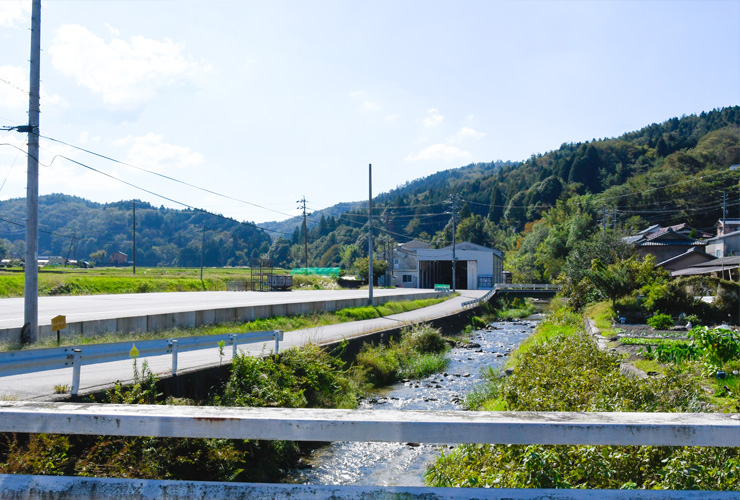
[(191, 207), (173, 179)]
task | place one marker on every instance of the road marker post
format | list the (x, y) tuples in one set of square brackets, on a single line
[(58, 323)]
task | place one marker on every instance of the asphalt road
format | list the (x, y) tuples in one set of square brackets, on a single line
[(41, 384), (94, 307)]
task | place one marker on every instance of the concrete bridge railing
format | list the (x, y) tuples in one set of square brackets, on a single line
[(522, 288), (655, 429)]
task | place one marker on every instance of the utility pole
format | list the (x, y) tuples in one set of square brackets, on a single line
[(202, 251), (724, 229), (31, 272), (370, 235), (133, 204), (453, 201), (305, 232)]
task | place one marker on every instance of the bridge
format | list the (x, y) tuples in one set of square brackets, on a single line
[(533, 290)]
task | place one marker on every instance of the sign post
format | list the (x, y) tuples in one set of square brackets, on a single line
[(58, 323)]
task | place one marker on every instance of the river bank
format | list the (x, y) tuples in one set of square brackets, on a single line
[(404, 464)]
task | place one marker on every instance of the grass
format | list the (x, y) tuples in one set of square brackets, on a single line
[(420, 352), (284, 323), (568, 372), (113, 280), (602, 314)]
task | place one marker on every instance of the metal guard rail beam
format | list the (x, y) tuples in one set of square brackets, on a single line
[(35, 360)]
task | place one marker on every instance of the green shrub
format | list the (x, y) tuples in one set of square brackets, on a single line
[(423, 339), (660, 321)]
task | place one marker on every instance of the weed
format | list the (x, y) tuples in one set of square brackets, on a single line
[(61, 389)]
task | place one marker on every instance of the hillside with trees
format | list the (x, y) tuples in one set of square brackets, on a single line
[(671, 172), (543, 212), (72, 226)]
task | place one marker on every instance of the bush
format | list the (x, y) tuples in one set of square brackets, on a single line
[(660, 321)]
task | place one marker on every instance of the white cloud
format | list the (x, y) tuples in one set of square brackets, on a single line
[(369, 106), (112, 30), (355, 93), (445, 152), (124, 73), (393, 118), (151, 152), (13, 12), (433, 118), (465, 133)]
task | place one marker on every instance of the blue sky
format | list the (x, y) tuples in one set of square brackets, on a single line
[(272, 100)]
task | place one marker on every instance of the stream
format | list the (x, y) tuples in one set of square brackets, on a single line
[(404, 464)]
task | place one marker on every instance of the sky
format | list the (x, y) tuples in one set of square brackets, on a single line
[(259, 103)]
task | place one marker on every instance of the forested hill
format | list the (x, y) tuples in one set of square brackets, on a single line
[(666, 173), (70, 225)]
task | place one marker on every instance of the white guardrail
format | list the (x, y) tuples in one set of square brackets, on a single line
[(35, 360), (552, 428), (503, 287)]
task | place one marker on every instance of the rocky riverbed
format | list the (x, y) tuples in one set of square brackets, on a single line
[(404, 464)]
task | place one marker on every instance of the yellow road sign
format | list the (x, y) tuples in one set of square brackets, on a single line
[(58, 323)]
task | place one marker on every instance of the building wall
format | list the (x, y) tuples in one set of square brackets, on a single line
[(479, 263), (729, 245)]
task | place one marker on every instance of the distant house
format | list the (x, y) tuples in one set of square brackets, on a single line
[(118, 258), (691, 257), (663, 242), (405, 269), (727, 226), (725, 267), (724, 245)]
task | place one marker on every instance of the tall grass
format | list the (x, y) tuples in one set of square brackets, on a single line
[(420, 352)]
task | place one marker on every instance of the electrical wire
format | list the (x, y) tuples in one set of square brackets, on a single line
[(173, 179), (191, 207)]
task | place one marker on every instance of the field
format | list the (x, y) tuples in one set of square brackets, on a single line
[(111, 280)]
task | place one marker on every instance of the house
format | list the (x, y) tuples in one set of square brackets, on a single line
[(118, 258), (724, 245), (725, 226), (477, 267), (663, 242), (405, 270), (691, 257), (724, 267)]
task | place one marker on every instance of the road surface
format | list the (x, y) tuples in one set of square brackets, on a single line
[(41, 384), (98, 307)]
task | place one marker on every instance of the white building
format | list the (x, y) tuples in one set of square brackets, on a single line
[(405, 269), (478, 267), (724, 245)]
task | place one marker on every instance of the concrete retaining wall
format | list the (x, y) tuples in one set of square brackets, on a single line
[(192, 319)]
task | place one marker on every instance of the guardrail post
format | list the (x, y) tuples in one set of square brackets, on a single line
[(173, 346), (277, 341), (233, 343), (76, 365)]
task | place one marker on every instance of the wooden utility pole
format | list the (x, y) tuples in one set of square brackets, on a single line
[(370, 236), (31, 272), (133, 204), (305, 232), (453, 201), (202, 250)]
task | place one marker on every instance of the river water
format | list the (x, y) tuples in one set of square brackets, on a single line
[(404, 464)]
